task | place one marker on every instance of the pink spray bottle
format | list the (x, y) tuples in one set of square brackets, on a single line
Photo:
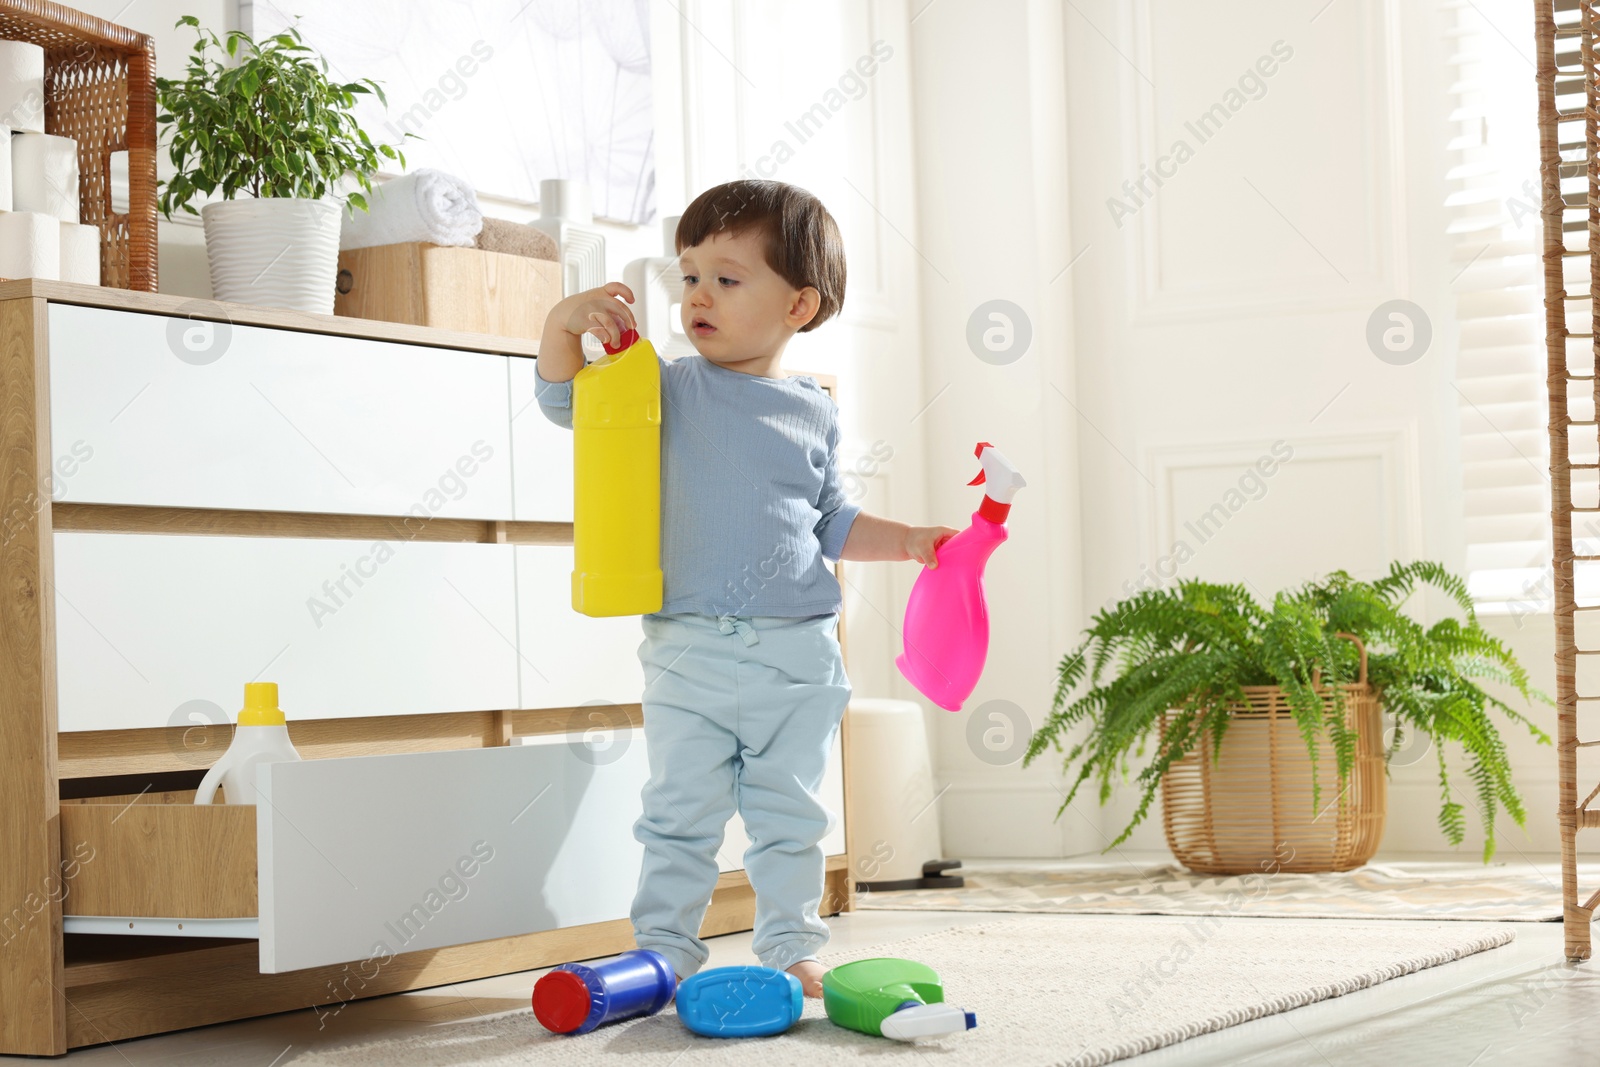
[(947, 621)]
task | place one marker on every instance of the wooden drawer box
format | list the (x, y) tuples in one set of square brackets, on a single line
[(448, 288), (363, 858)]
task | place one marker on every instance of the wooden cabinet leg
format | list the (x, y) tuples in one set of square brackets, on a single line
[(32, 1001)]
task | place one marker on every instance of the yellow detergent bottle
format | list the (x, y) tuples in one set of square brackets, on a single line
[(262, 736), (616, 452)]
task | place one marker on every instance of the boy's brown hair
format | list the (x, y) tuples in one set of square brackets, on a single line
[(802, 241)]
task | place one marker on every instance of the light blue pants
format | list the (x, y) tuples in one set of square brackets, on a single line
[(740, 713)]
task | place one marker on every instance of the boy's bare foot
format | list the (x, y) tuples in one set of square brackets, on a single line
[(810, 973)]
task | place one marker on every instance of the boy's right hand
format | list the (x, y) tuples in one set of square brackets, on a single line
[(600, 312)]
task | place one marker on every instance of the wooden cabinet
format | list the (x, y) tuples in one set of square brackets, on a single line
[(377, 517)]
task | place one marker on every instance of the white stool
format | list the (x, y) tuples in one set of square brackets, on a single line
[(893, 809)]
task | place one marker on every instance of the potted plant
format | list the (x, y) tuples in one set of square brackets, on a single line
[(1237, 701), (274, 135)]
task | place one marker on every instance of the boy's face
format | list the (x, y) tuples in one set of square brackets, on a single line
[(735, 307)]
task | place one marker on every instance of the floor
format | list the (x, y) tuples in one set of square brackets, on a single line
[(1518, 1004)]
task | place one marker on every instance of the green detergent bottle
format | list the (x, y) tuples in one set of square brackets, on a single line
[(889, 997)]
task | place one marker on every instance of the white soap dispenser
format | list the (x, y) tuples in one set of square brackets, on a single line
[(262, 736), (564, 214), (657, 284)]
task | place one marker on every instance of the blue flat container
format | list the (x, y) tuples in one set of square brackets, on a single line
[(740, 1002)]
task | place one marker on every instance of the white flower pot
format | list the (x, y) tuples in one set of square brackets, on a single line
[(275, 252)]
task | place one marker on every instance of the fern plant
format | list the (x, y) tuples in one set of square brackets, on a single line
[(1192, 649)]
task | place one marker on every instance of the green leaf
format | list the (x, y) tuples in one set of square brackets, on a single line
[(259, 117)]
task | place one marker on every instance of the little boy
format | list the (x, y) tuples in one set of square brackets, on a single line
[(744, 684)]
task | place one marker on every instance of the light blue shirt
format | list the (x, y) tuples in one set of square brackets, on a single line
[(751, 499)]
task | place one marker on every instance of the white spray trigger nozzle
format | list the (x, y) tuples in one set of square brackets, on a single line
[(1000, 480), (926, 1020)]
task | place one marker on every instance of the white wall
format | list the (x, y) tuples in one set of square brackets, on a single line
[(992, 154), (1209, 318)]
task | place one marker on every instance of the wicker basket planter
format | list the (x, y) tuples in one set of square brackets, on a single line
[(1250, 810), (99, 89)]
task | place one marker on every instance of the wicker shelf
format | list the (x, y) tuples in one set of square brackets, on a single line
[(100, 90)]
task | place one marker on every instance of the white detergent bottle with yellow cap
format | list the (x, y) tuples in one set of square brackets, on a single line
[(262, 736)]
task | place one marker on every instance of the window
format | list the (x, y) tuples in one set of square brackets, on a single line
[(1493, 205)]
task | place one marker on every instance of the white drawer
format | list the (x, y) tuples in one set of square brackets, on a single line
[(387, 872), (184, 413), (569, 659), (359, 859), (541, 451), (148, 623)]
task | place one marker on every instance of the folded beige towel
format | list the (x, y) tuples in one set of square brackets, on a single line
[(515, 239)]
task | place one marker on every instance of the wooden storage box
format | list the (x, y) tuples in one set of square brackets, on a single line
[(100, 90), (450, 288)]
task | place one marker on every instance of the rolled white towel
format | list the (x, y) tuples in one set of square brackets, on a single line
[(425, 205)]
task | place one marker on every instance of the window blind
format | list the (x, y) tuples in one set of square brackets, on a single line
[(1493, 210)]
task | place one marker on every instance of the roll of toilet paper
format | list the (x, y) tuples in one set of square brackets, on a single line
[(80, 253), (44, 175), (22, 85), (30, 245)]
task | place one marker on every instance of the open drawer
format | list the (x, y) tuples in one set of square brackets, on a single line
[(366, 857)]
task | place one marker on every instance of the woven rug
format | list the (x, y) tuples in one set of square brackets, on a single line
[(1522, 893), (1049, 991)]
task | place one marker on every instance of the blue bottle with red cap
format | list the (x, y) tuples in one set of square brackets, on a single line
[(575, 998)]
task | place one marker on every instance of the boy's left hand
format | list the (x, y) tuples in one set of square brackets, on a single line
[(921, 541)]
